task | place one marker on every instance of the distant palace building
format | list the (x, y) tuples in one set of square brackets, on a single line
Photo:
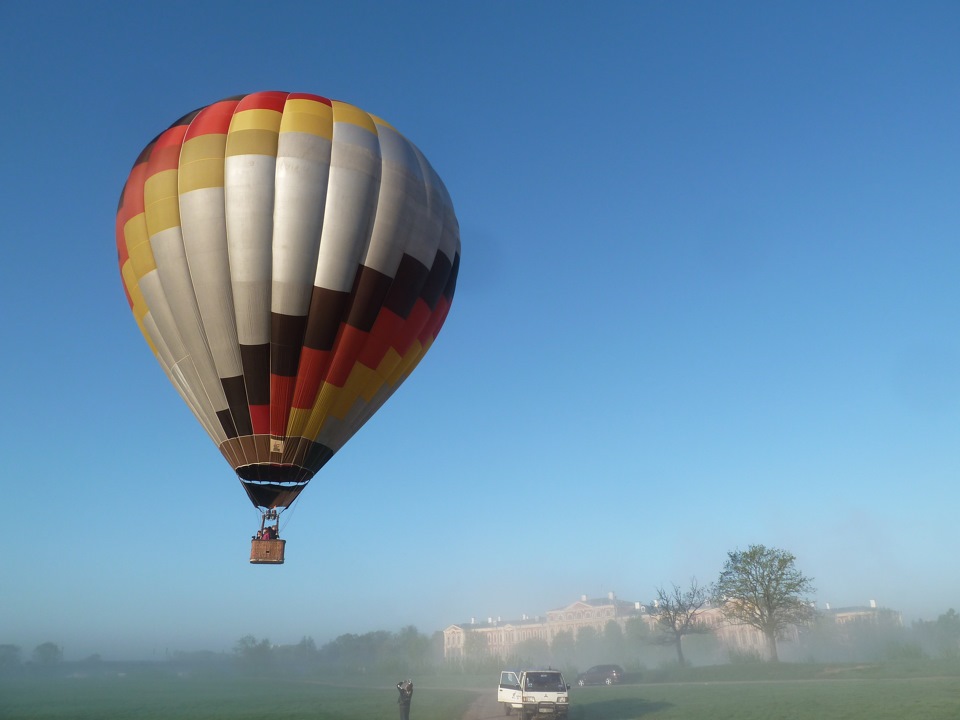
[(500, 638)]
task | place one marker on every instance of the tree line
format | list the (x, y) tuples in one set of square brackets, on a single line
[(759, 587), (379, 652)]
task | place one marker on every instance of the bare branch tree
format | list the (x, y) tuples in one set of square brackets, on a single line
[(677, 613)]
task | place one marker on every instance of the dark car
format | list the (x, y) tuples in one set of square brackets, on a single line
[(601, 675)]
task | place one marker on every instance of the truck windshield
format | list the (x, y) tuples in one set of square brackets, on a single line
[(545, 681)]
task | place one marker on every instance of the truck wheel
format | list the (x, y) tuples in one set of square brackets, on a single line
[(507, 709)]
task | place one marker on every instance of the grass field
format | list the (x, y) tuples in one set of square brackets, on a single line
[(159, 697), (919, 690), (906, 699), (911, 691)]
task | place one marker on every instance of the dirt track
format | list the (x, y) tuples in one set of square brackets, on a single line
[(485, 707)]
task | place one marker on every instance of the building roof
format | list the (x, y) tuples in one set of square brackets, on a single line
[(623, 607)]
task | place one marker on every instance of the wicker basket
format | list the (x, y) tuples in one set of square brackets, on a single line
[(267, 551)]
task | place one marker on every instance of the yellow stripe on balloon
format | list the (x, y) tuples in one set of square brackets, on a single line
[(361, 378), (297, 422), (160, 201), (344, 112), (307, 116), (384, 123), (201, 162), (138, 246), (326, 399), (139, 303), (252, 142), (391, 360), (409, 361), (257, 119)]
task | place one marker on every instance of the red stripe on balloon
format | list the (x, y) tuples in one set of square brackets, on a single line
[(260, 417), (281, 395), (213, 119), (313, 366), (349, 345), (308, 96), (411, 328), (383, 335), (270, 100)]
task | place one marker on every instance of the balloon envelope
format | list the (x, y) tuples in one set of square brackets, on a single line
[(289, 259)]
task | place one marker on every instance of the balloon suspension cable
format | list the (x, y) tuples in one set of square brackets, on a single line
[(290, 508), (271, 514)]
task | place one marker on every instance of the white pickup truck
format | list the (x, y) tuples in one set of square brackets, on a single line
[(534, 693)]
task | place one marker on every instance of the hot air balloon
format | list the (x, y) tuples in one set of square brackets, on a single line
[(289, 260)]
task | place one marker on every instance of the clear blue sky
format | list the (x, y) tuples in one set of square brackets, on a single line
[(708, 298)]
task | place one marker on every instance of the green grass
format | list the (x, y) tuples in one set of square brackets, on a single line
[(916, 690), (902, 699), (905, 690), (168, 697), (805, 671)]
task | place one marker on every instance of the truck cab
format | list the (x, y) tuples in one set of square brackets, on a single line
[(535, 694)]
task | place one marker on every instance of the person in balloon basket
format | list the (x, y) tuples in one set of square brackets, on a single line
[(406, 692)]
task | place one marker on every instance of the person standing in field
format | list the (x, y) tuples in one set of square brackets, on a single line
[(406, 692)]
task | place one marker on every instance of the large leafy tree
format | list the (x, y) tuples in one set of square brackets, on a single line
[(474, 647), (253, 653), (762, 587), (614, 643), (47, 653), (532, 652), (589, 643), (948, 632), (677, 612), (636, 633), (9, 657), (563, 648), (940, 638), (411, 650)]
